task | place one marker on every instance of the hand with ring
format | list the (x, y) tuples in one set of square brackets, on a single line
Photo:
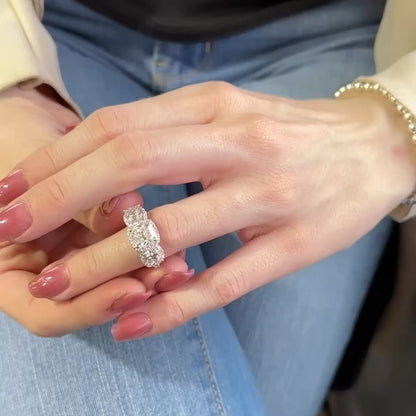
[(297, 180), (34, 118)]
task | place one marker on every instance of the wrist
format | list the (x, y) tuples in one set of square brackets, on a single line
[(399, 127)]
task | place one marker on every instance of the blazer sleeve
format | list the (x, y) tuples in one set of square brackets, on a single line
[(27, 53)]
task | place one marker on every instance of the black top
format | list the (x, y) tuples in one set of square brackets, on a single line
[(196, 20)]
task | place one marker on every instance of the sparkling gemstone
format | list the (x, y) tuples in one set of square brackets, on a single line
[(143, 236), (135, 236), (152, 231), (134, 215), (151, 254)]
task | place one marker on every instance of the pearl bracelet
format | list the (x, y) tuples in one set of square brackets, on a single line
[(371, 86), (408, 116)]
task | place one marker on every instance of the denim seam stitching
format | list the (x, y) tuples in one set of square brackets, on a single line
[(213, 382)]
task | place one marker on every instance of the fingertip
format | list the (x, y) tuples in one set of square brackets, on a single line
[(173, 280), (109, 216), (12, 186), (130, 199), (131, 327)]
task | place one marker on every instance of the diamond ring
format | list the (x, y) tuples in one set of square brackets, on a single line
[(143, 236)]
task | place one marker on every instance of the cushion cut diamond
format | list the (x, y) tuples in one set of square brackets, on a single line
[(144, 236)]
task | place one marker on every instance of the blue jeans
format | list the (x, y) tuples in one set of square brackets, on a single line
[(272, 352)]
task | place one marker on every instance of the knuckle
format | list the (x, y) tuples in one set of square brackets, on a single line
[(259, 130), (225, 94), (222, 88), (226, 286), (51, 159), (57, 191), (108, 122), (173, 310), (133, 151), (93, 262), (173, 226)]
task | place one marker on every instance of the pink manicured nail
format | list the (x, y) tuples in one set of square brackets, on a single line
[(50, 282), (14, 221), (132, 326), (129, 301), (173, 280), (107, 207), (12, 186)]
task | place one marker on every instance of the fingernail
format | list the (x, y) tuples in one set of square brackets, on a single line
[(70, 127), (50, 282), (14, 221), (132, 326), (12, 186), (172, 280), (129, 301), (107, 207)]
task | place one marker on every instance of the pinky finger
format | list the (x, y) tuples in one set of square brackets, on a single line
[(172, 273), (260, 261), (103, 303)]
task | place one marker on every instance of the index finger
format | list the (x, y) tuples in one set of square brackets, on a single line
[(120, 166), (185, 106)]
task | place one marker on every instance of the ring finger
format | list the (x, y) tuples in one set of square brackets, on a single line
[(183, 224)]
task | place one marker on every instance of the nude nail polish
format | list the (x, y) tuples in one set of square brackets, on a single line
[(50, 282), (129, 301), (132, 326), (172, 280), (12, 186), (14, 221)]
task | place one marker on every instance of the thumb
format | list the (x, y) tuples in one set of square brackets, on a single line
[(107, 218)]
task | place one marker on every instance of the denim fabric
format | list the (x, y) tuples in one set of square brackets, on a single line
[(272, 352)]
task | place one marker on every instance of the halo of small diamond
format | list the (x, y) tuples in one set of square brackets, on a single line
[(143, 236), (133, 215)]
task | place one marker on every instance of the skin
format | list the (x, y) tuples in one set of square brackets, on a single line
[(46, 120), (298, 181)]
